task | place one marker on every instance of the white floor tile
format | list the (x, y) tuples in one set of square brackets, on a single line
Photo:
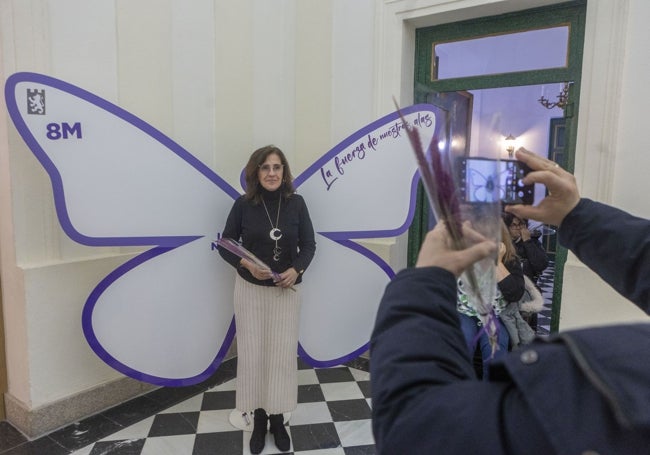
[(190, 405), (360, 375), (355, 433), (226, 386), (308, 413), (341, 391), (215, 421), (169, 445), (306, 377)]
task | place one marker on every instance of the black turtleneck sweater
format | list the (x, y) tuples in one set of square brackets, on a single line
[(249, 223)]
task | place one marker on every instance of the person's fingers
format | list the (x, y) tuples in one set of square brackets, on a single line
[(534, 161), (549, 177), (474, 253), (523, 211), (563, 194)]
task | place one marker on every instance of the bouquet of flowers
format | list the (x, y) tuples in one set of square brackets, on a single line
[(437, 176), (238, 249)]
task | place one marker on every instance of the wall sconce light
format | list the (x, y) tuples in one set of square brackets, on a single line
[(510, 144), (562, 98)]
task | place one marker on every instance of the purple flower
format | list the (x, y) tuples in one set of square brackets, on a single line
[(239, 250), (441, 188)]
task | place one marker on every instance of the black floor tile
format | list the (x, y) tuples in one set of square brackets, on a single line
[(133, 411), (360, 363), (174, 424), (302, 365), (223, 443), (87, 431), (315, 436), (169, 396), (226, 371), (10, 437), (345, 410), (341, 374), (41, 446), (125, 447), (360, 450), (365, 388), (213, 401), (310, 393)]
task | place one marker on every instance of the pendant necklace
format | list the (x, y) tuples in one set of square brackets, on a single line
[(275, 233)]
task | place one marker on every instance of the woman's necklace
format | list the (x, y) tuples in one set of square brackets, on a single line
[(275, 233)]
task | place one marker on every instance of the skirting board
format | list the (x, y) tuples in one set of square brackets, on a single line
[(34, 423)]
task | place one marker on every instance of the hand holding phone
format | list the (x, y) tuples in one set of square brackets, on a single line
[(484, 180)]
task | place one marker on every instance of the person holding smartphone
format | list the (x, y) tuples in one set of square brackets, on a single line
[(579, 391)]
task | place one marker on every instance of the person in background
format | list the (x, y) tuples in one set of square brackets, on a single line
[(530, 252), (576, 392), (529, 249), (510, 288), (273, 223)]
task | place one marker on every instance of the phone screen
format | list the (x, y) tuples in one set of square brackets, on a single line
[(484, 180)]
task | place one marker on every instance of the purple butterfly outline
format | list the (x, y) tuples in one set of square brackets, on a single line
[(166, 244)]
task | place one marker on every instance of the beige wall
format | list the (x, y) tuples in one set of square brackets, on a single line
[(224, 77)]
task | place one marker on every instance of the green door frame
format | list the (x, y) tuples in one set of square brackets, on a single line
[(572, 14)]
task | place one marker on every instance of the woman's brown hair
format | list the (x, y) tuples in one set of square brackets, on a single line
[(511, 252), (253, 166)]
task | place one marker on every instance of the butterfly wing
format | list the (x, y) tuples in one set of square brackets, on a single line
[(117, 181), (163, 317), (364, 188)]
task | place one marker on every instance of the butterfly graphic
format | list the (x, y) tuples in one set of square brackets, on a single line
[(488, 185), (166, 315)]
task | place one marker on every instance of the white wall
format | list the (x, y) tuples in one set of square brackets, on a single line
[(220, 78), (611, 162), (223, 78)]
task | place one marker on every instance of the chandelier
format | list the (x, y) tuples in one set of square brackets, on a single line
[(562, 99)]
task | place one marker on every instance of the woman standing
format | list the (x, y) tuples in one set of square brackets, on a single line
[(273, 223)]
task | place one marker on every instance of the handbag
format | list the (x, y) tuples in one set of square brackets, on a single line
[(532, 301)]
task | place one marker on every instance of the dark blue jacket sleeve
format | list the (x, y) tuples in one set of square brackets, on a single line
[(425, 395), (614, 244)]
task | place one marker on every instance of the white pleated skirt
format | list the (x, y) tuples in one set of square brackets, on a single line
[(267, 320)]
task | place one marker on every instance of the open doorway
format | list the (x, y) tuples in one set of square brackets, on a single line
[(521, 70)]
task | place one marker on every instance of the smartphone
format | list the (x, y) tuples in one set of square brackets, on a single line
[(484, 180)]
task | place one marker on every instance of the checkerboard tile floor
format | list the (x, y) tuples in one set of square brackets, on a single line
[(332, 417), (545, 283)]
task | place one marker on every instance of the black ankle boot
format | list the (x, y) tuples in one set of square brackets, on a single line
[(279, 432), (259, 431)]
